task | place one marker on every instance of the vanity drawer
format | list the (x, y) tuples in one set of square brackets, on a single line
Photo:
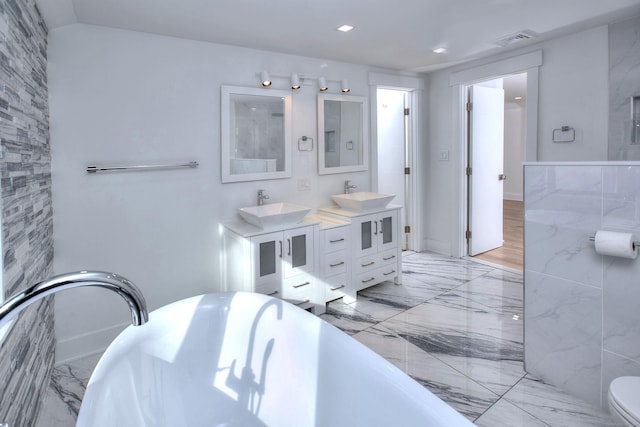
[(375, 276), (334, 263), (335, 287), (373, 261), (388, 257), (366, 263), (298, 290), (271, 289), (334, 239)]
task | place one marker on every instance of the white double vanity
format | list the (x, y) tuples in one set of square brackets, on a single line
[(314, 258)]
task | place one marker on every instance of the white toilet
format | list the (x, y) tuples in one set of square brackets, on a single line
[(624, 400)]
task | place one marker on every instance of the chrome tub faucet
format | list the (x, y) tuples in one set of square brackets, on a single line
[(110, 281)]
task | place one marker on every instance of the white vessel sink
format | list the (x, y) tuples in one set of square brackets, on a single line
[(274, 214), (362, 201)]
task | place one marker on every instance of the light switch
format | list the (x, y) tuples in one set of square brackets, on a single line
[(444, 155), (304, 183)]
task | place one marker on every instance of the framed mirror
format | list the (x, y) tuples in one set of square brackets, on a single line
[(343, 136), (256, 134)]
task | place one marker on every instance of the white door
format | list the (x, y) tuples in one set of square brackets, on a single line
[(391, 146), (486, 140)]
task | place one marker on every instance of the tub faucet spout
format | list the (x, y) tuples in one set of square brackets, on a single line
[(110, 281)]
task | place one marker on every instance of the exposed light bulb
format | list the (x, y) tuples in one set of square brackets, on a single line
[(295, 81), (266, 80), (322, 84), (345, 86)]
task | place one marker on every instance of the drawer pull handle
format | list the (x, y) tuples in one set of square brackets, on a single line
[(367, 264), (369, 280), (391, 272), (272, 293), (303, 302), (302, 284), (336, 264), (389, 257), (337, 240), (337, 287)]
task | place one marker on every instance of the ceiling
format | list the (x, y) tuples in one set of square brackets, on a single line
[(393, 34)]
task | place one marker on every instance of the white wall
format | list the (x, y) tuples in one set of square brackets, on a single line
[(120, 97), (573, 91)]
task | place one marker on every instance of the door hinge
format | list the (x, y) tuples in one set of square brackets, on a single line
[(467, 234), (406, 111), (469, 106), (407, 171), (407, 229), (468, 171)]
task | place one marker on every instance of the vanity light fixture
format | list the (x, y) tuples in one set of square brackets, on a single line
[(295, 81), (345, 28), (322, 84), (345, 86), (265, 79)]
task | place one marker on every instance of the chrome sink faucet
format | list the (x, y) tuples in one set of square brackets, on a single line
[(261, 197), (348, 186), (110, 281)]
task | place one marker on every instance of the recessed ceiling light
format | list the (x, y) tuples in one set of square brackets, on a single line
[(345, 28), (439, 50), (517, 98)]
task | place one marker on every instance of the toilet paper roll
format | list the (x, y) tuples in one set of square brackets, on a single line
[(612, 243)]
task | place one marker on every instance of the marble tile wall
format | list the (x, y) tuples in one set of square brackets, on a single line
[(624, 68), (26, 353), (581, 308)]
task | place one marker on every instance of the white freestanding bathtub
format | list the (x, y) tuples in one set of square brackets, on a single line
[(243, 359)]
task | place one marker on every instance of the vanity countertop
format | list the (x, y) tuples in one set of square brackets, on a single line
[(337, 210), (245, 229)]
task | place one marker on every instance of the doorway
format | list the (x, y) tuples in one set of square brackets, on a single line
[(494, 169), (394, 154)]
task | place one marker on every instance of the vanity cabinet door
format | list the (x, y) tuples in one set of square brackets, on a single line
[(298, 251), (387, 226), (366, 229), (268, 251)]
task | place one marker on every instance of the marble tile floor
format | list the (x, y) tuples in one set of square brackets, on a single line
[(454, 325)]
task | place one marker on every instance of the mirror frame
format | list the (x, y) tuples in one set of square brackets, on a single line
[(364, 111), (225, 131)]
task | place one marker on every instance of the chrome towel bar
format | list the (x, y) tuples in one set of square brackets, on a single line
[(94, 169)]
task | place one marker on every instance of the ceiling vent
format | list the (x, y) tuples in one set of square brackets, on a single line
[(516, 38)]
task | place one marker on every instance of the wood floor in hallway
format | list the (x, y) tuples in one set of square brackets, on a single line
[(511, 253)]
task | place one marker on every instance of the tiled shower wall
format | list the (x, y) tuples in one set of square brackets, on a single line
[(27, 352), (581, 309)]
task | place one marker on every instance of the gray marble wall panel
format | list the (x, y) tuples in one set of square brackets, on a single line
[(581, 312), (624, 69), (27, 352)]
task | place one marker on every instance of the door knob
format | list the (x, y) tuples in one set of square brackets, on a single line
[(502, 177)]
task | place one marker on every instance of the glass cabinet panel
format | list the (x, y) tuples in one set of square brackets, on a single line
[(366, 235), (267, 258), (387, 230), (298, 251)]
